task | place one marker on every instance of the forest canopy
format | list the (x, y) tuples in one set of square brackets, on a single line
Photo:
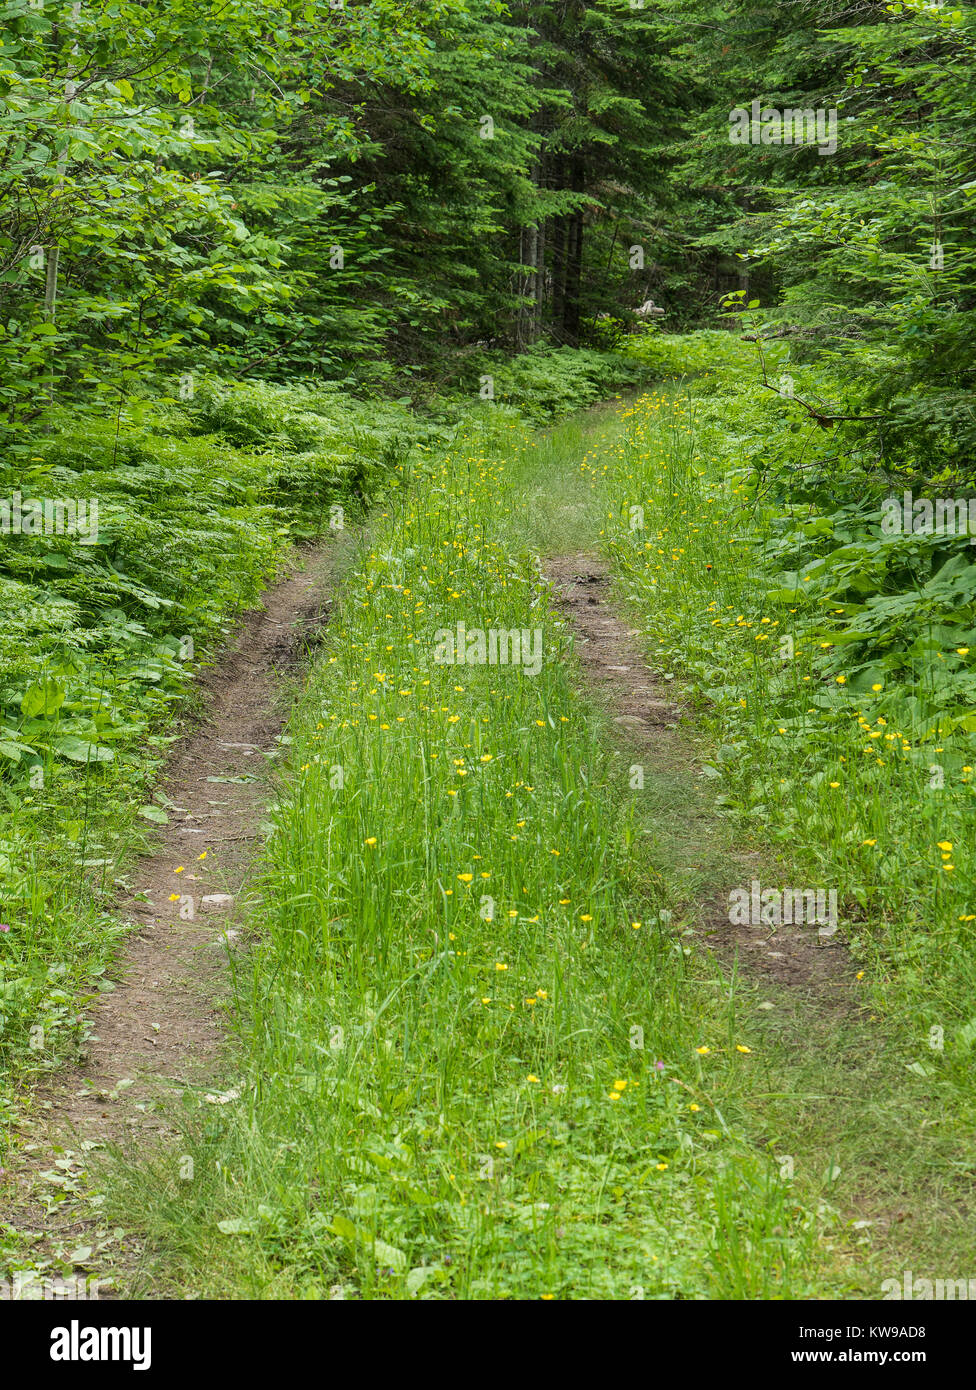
[(365, 190)]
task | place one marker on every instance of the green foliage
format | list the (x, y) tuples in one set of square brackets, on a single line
[(863, 258), (259, 263), (461, 1077), (836, 659), (100, 639), (544, 384), (198, 505)]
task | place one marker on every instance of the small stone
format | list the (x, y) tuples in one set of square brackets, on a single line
[(216, 902)]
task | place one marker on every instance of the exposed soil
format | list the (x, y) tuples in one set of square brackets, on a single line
[(162, 1022), (160, 1029), (646, 719)]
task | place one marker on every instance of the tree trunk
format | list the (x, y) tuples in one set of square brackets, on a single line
[(51, 283), (574, 260), (540, 279), (559, 238), (558, 271), (531, 271)]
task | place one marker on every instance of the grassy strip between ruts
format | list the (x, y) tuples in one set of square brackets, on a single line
[(475, 1065)]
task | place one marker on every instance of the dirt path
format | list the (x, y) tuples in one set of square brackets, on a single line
[(160, 1029), (616, 671)]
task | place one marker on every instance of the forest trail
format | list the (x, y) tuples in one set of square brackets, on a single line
[(160, 1029), (564, 887), (572, 901)]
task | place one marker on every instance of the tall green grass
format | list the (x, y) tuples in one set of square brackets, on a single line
[(474, 1064), (838, 759), (100, 642), (200, 503), (464, 1070)]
